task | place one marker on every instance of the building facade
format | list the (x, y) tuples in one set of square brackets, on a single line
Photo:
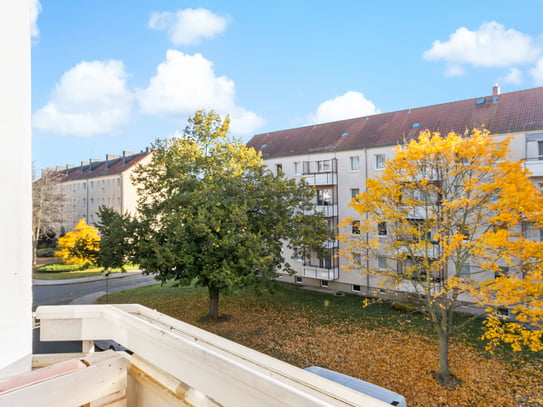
[(337, 158), (97, 183)]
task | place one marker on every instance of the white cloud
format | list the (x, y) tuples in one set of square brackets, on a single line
[(188, 26), (90, 99), (186, 83), (537, 72), (351, 104), (35, 10), (490, 46), (514, 76)]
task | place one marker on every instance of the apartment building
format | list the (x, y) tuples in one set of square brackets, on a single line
[(94, 183), (337, 158)]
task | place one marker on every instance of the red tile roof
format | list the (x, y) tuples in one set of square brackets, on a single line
[(502, 114), (102, 168)]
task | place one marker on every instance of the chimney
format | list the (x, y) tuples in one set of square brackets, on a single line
[(495, 90), (110, 157), (126, 154)]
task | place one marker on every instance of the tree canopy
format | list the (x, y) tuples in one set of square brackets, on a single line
[(447, 222), (117, 238), (46, 207), (79, 246), (210, 213)]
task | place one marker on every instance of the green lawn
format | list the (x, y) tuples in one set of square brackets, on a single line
[(370, 340)]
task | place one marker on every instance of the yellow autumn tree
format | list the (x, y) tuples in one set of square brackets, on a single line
[(448, 222), (80, 246)]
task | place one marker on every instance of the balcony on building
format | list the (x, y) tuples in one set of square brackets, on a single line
[(534, 154), (172, 364), (320, 172)]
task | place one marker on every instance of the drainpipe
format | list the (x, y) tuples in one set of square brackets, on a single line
[(367, 233)]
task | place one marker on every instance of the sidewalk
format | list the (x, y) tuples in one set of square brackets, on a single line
[(86, 279)]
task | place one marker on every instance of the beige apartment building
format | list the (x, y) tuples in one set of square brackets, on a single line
[(337, 158), (86, 187)]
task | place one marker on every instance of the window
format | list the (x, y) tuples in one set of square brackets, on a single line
[(84, 185), (354, 192), (502, 272), (382, 229), (465, 271), (379, 161), (118, 182), (324, 283), (298, 280), (92, 219), (356, 288), (297, 168), (326, 262), (324, 196), (279, 169), (540, 150), (382, 262), (84, 202), (92, 184), (355, 226), (357, 259), (92, 201), (323, 166), (355, 163)]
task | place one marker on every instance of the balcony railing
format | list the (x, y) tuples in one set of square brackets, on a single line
[(173, 364), (321, 273), (327, 210), (328, 178), (535, 165)]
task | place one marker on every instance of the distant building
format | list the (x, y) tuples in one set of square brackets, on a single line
[(98, 183), (337, 158)]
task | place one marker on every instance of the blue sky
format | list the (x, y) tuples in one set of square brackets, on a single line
[(109, 76)]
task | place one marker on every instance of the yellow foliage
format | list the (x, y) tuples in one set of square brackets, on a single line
[(79, 246), (451, 201)]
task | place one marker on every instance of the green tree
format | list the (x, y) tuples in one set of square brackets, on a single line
[(211, 214), (117, 238), (446, 216), (80, 246)]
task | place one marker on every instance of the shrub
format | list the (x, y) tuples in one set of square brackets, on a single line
[(60, 268)]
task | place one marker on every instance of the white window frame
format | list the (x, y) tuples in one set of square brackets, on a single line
[(380, 160), (354, 163)]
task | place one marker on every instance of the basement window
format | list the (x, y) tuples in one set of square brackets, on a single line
[(324, 283), (356, 288)]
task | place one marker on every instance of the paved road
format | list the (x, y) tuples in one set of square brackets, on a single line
[(78, 291), (84, 290)]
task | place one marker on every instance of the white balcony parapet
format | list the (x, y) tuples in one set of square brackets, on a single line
[(535, 166), (321, 273), (327, 178), (222, 372), (327, 210)]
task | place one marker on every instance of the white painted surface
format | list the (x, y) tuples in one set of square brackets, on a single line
[(15, 184), (220, 370)]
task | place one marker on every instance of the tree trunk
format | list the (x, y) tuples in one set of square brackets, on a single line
[(444, 372), (213, 303)]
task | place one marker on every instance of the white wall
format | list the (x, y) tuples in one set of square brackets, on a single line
[(15, 184)]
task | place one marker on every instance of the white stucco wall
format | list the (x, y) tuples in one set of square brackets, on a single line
[(15, 184)]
